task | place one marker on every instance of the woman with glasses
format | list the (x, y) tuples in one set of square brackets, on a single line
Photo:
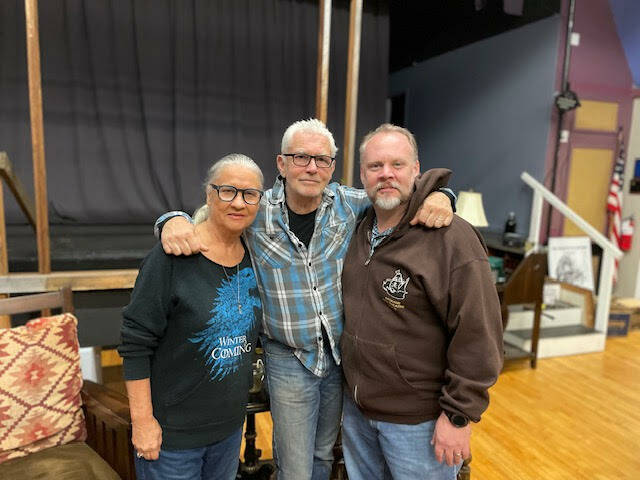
[(188, 337)]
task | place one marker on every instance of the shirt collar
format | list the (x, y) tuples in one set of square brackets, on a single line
[(376, 233)]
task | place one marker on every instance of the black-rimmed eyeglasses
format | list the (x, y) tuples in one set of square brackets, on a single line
[(302, 159), (227, 193)]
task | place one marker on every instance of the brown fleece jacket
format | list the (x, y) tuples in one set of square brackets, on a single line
[(423, 330)]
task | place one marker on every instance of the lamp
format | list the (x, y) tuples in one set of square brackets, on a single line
[(470, 208)]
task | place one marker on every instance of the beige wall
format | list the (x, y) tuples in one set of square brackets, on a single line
[(629, 273)]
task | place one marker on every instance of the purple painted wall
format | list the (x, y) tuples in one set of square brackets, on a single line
[(627, 17), (598, 71), (600, 60)]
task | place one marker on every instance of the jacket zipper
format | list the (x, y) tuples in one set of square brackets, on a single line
[(355, 395)]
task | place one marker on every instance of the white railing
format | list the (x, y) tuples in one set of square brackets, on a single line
[(610, 251)]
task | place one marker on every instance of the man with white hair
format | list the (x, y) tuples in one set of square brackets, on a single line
[(422, 339), (298, 242)]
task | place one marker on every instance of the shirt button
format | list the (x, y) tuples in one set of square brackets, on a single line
[(319, 339), (319, 313), (315, 288), (309, 263)]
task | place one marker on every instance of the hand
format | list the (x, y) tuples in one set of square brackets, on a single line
[(435, 212), (179, 237), (146, 436), (450, 443)]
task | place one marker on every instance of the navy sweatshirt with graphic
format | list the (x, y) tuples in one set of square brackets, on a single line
[(184, 330)]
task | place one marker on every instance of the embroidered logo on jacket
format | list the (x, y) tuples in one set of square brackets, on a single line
[(396, 286)]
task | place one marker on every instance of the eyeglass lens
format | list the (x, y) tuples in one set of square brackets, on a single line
[(302, 160), (228, 192)]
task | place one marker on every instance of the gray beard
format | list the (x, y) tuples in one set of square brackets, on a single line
[(388, 203)]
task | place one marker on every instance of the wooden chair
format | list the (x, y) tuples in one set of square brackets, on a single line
[(62, 299), (107, 416)]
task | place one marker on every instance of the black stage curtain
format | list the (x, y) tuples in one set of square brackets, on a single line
[(140, 97)]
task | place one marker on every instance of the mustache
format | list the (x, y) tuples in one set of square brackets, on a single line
[(381, 185)]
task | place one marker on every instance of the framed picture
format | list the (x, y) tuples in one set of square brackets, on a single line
[(570, 261)]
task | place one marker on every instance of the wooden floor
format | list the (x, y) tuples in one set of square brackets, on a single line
[(572, 418), (575, 417)]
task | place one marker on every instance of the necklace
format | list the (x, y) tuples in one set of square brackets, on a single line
[(237, 284)]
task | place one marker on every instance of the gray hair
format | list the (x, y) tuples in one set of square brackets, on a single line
[(231, 160), (312, 125), (390, 128)]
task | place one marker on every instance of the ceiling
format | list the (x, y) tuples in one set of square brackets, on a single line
[(423, 29)]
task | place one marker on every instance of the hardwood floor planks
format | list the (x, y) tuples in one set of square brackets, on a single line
[(575, 417)]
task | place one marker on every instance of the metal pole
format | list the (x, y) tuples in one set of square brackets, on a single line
[(564, 87)]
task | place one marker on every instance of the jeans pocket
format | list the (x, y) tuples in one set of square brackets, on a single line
[(276, 349)]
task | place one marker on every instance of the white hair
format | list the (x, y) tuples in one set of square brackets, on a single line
[(231, 160), (312, 125)]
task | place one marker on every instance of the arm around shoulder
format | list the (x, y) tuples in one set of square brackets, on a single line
[(178, 235)]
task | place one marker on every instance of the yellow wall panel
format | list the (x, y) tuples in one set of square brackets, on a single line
[(595, 115), (588, 186)]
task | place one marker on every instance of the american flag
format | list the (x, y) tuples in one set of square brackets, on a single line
[(614, 204)]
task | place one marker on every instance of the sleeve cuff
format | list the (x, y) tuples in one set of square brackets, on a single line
[(136, 368), (449, 193), (157, 228)]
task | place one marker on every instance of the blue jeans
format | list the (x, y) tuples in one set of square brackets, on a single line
[(306, 412), (218, 461), (375, 450)]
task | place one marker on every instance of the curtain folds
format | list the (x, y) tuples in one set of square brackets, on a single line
[(141, 96)]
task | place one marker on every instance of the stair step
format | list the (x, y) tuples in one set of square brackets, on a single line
[(558, 341), (521, 316)]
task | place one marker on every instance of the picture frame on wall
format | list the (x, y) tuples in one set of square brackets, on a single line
[(570, 261)]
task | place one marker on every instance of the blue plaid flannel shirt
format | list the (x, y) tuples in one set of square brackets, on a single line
[(301, 288)]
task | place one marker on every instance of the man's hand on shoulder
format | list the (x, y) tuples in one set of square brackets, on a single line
[(435, 212), (179, 237), (451, 443)]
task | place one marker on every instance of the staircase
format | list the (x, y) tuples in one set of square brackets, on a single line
[(557, 338), (561, 331)]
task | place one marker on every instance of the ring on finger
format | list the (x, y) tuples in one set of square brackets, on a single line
[(139, 455), (459, 454)]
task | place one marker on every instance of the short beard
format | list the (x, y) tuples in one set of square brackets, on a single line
[(388, 203)]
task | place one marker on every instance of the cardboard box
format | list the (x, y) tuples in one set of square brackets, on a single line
[(630, 306), (618, 324)]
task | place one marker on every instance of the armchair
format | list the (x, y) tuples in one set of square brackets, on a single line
[(46, 431)]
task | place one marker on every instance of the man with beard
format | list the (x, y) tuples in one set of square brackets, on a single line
[(422, 340)]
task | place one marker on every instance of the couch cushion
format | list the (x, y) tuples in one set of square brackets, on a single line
[(40, 382), (74, 461)]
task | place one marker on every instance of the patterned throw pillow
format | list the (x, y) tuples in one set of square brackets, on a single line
[(40, 382)]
